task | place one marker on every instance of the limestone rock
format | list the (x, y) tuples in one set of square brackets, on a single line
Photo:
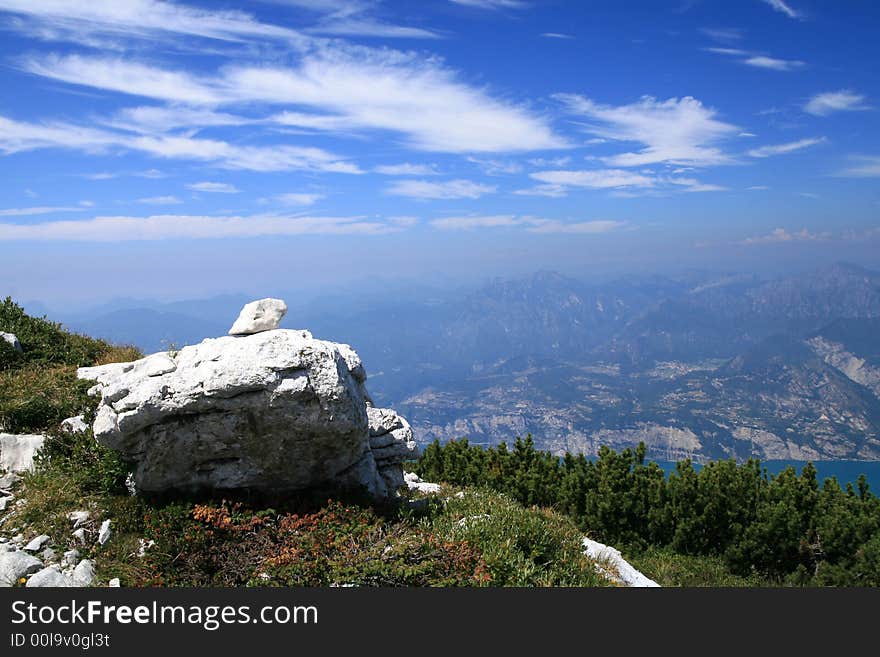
[(75, 424), (84, 573), (114, 583), (17, 451), (70, 558), (257, 316), (78, 518), (414, 482), (50, 576), (11, 339), (104, 532), (36, 543), (391, 443), (276, 411), (16, 564), (612, 564)]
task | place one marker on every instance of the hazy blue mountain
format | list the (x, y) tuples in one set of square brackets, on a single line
[(700, 364)]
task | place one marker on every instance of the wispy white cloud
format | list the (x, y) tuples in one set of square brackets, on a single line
[(163, 227), (46, 209), (724, 34), (594, 179), (547, 190), (556, 35), (530, 224), (492, 4), (781, 235), (864, 166), (406, 169), (159, 200), (784, 8), (844, 100), (496, 167), (17, 136), (352, 88), (355, 18), (449, 189), (676, 131), (758, 60), (299, 198), (213, 188), (773, 63), (790, 147), (99, 21)]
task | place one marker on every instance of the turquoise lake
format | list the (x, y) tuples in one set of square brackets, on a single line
[(844, 471)]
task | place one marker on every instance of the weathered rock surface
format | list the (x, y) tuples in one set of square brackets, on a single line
[(275, 411), (51, 577), (17, 451), (11, 339), (257, 316), (612, 564), (75, 424), (391, 442), (16, 564)]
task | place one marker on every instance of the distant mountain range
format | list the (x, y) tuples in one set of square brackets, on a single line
[(700, 365)]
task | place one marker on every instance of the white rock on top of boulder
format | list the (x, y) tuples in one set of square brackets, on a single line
[(11, 339), (257, 316), (17, 451)]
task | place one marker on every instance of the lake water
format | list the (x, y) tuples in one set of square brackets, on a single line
[(844, 471)]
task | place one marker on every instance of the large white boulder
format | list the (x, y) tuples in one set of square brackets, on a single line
[(17, 451), (275, 411), (257, 316)]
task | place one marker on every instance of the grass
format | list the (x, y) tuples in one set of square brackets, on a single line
[(458, 538), (669, 568)]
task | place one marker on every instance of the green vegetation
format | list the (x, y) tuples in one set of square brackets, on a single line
[(460, 538), (39, 383), (743, 524)]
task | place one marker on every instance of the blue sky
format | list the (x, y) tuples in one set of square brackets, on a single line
[(169, 148)]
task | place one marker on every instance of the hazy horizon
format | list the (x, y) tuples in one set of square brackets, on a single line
[(174, 150)]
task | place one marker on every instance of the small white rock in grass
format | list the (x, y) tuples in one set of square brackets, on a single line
[(78, 518), (5, 500), (104, 533), (75, 424), (36, 543), (48, 554), (114, 583), (70, 558), (17, 451), (623, 573), (413, 482), (84, 573), (144, 545), (80, 535)]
